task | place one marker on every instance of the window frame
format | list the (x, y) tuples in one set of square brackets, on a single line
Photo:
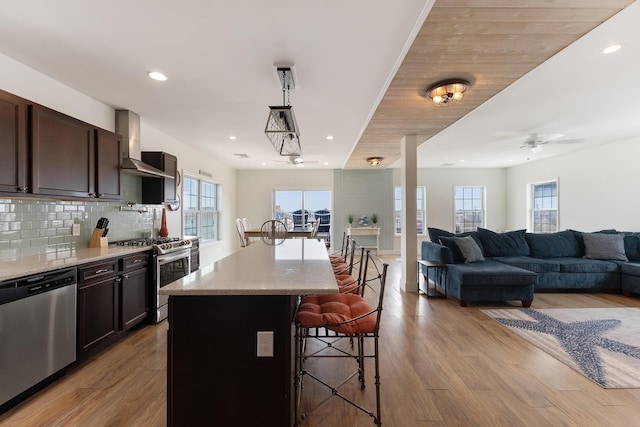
[(532, 225), (203, 210), (397, 213), (483, 210)]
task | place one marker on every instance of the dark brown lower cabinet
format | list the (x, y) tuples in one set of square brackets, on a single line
[(214, 375), (113, 296), (97, 313), (134, 297)]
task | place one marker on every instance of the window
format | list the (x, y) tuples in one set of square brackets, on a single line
[(544, 207), (420, 210), (469, 208), (287, 202), (200, 208)]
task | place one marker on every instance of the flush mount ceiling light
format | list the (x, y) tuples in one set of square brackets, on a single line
[(375, 161), (156, 75), (447, 92), (282, 129)]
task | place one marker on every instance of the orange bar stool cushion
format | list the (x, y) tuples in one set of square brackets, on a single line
[(331, 311), (346, 282)]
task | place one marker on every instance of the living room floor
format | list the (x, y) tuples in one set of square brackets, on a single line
[(441, 365)]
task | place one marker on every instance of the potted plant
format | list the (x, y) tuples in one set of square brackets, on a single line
[(374, 219), (350, 219)]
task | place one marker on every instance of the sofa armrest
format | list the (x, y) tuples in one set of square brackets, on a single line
[(436, 252)]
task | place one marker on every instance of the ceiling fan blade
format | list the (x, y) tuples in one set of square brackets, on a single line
[(568, 141)]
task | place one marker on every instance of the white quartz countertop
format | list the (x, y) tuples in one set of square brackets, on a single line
[(295, 267), (36, 264)]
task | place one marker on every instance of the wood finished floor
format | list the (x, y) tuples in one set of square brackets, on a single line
[(441, 365)]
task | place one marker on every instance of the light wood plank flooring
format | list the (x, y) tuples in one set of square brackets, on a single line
[(442, 365)]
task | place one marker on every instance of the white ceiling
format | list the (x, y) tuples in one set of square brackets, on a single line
[(220, 56), (580, 93)]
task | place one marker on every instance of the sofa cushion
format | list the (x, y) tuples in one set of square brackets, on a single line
[(632, 246), (511, 243), (469, 249), (585, 265), (630, 269), (551, 245), (604, 246), (537, 265), (488, 273)]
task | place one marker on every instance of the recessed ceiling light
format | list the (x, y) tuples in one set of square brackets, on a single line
[(156, 75), (612, 48), (263, 164), (326, 163), (330, 137), (232, 137), (462, 160)]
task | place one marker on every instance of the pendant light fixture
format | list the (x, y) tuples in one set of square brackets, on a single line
[(282, 129)]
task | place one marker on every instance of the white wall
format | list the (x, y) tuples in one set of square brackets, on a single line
[(25, 82), (192, 161), (440, 184), (255, 190), (598, 187)]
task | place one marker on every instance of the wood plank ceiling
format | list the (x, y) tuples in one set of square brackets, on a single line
[(490, 43)]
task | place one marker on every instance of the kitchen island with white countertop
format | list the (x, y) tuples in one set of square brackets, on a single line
[(230, 346)]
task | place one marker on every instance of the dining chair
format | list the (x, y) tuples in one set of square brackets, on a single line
[(273, 232), (241, 229), (288, 222), (346, 327)]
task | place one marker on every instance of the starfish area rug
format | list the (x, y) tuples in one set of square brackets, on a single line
[(601, 343)]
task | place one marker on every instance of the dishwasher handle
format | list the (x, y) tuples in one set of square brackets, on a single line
[(26, 286)]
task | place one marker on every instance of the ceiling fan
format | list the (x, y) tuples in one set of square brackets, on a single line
[(296, 161), (535, 142)]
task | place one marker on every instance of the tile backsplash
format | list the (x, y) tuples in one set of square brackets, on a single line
[(35, 226)]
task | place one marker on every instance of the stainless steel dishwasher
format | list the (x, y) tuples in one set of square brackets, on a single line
[(37, 332)]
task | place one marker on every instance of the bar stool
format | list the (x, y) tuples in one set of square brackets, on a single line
[(336, 323)]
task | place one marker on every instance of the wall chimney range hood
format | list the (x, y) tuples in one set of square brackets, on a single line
[(128, 126)]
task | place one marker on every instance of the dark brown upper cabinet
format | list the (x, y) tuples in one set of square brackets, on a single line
[(108, 165), (13, 143), (160, 190), (71, 158)]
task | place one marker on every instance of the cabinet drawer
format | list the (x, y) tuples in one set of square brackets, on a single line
[(91, 273), (134, 262)]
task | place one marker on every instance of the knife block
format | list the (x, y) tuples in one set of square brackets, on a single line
[(97, 241)]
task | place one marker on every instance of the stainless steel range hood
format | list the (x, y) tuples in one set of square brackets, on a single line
[(128, 126)]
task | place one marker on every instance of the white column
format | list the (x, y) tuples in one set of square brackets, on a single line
[(409, 239)]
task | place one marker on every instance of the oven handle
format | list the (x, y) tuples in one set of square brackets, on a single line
[(164, 259)]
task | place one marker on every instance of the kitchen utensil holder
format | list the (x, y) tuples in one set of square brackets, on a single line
[(97, 241)]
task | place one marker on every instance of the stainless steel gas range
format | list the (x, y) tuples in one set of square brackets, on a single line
[(172, 261)]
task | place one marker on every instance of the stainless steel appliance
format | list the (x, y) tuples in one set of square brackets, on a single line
[(172, 261), (37, 332)]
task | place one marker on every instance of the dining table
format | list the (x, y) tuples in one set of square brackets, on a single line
[(299, 231), (230, 341)]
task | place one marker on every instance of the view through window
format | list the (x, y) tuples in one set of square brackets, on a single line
[(200, 208), (544, 207), (420, 210), (294, 203), (469, 208)]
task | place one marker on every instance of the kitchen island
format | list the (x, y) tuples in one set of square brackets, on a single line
[(230, 342)]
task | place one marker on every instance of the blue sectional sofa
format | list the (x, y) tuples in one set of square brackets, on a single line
[(487, 266)]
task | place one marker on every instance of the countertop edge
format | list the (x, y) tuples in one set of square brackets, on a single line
[(36, 264)]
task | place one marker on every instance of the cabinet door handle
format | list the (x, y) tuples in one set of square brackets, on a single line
[(23, 189), (118, 279), (92, 194), (100, 195), (102, 270), (125, 276), (135, 261)]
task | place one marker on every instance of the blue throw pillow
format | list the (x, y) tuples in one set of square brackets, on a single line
[(510, 243), (552, 245), (436, 233), (449, 241)]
